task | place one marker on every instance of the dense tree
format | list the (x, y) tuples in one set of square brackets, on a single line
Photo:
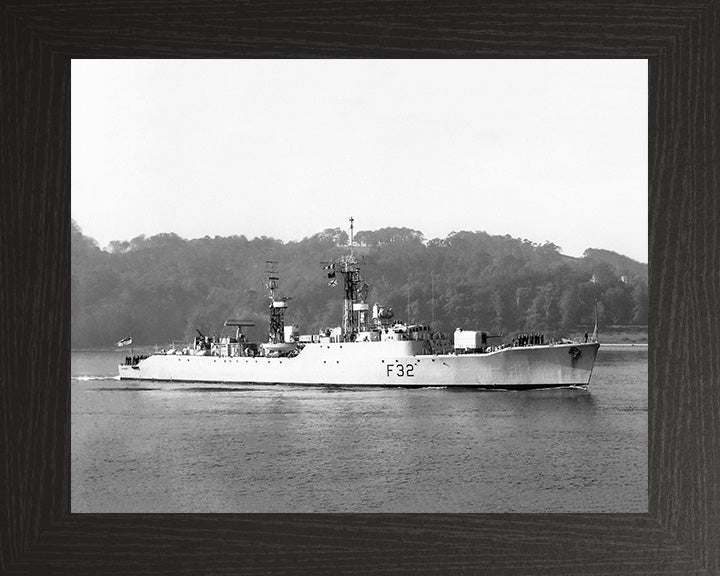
[(640, 304), (163, 287), (618, 301)]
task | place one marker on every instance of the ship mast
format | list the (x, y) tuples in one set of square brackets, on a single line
[(351, 236), (595, 331), (276, 330), (355, 310)]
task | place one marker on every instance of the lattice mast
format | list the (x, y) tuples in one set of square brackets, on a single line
[(276, 330), (355, 289)]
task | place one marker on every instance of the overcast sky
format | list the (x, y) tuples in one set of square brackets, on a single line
[(540, 149)]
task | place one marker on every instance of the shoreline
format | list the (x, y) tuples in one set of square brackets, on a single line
[(623, 344)]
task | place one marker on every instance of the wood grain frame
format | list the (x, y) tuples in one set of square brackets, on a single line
[(681, 532)]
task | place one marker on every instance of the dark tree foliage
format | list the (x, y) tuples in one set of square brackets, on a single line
[(164, 287)]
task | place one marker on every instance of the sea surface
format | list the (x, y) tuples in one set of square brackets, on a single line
[(170, 447)]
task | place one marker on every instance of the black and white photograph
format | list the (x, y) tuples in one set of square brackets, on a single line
[(359, 286)]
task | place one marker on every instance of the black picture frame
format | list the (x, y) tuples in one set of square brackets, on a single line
[(681, 532)]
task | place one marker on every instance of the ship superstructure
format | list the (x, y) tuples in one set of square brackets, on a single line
[(368, 348)]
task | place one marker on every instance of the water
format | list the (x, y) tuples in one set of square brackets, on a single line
[(170, 447)]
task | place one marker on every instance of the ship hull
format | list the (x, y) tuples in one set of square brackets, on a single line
[(363, 364)]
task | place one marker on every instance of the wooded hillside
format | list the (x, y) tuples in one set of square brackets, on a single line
[(162, 288)]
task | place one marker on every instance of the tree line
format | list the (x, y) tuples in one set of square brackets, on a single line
[(163, 288)]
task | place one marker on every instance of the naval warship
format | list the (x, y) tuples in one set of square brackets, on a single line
[(369, 348)]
